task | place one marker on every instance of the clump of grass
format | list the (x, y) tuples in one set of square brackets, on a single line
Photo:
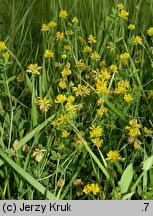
[(76, 110)]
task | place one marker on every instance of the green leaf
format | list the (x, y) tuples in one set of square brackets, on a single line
[(126, 179), (33, 182), (128, 196), (148, 164)]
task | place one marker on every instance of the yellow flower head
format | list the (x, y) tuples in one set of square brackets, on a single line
[(92, 188), (70, 98), (48, 54), (64, 56), (81, 90), (59, 36), (60, 98), (2, 45), (63, 14), (150, 94), (80, 63), (20, 78), (95, 56), (123, 14), (95, 132), (43, 103), (101, 87), (113, 155), (131, 27), (138, 40), (92, 39), (87, 49), (44, 27), (34, 69), (65, 134), (150, 31), (52, 24), (113, 68), (75, 20), (69, 32), (120, 6), (6, 55), (66, 72), (133, 128), (128, 98), (67, 47)]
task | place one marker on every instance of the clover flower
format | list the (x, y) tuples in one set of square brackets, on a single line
[(123, 14), (2, 45), (43, 103), (63, 14), (113, 155), (92, 188), (48, 54), (34, 69)]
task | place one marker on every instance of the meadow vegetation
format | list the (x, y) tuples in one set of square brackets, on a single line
[(76, 99)]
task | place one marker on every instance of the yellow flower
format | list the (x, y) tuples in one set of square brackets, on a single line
[(123, 58), (150, 94), (95, 132), (150, 31), (60, 98), (102, 111), (65, 134), (128, 98), (52, 24), (63, 14), (133, 128), (131, 27), (62, 84), (121, 87), (6, 55), (48, 54), (95, 56), (105, 74), (20, 78), (120, 6), (64, 56), (113, 68), (70, 98), (113, 155), (92, 188), (34, 69), (92, 39), (81, 39), (69, 32), (81, 90), (87, 49), (67, 47), (66, 72), (59, 36), (43, 103), (75, 20), (98, 142), (44, 27), (79, 63), (102, 63), (2, 45), (138, 40), (70, 108), (101, 87), (123, 14)]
